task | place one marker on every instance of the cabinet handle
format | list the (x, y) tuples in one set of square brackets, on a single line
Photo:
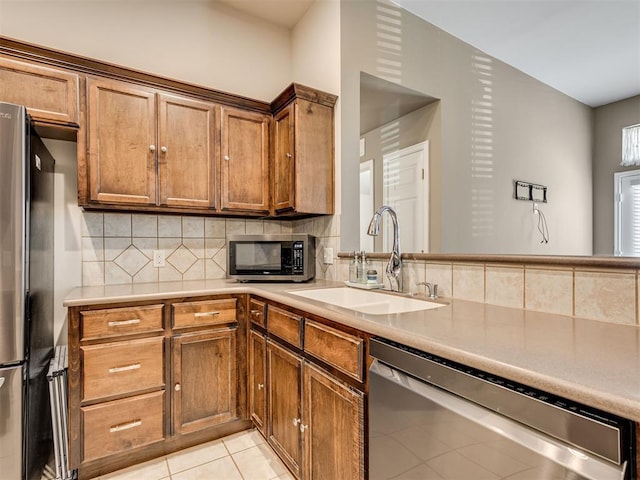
[(257, 313), (288, 155), (303, 428), (260, 386), (296, 422), (177, 387), (125, 426), (164, 149), (133, 366), (121, 323), (226, 157), (205, 314), (152, 148)]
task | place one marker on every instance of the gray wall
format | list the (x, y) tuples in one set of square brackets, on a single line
[(607, 155), (415, 127), (498, 125)]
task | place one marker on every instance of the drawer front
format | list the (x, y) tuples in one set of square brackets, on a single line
[(122, 367), (112, 427), (256, 312), (337, 348), (116, 322), (206, 312), (285, 325)]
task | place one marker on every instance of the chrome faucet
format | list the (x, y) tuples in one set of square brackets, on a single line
[(432, 288), (394, 267)]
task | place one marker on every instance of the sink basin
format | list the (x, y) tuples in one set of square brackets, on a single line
[(373, 303)]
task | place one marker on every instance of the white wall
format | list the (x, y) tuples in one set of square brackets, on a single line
[(535, 134), (197, 41), (315, 42), (68, 220)]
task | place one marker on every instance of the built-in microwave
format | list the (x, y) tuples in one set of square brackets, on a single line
[(277, 257)]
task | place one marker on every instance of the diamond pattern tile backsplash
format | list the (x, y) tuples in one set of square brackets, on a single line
[(118, 248)]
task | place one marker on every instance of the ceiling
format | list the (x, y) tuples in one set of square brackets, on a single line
[(284, 13), (587, 49)]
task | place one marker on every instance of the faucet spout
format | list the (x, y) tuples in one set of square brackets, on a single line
[(394, 266)]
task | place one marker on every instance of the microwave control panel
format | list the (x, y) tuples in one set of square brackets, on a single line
[(298, 257)]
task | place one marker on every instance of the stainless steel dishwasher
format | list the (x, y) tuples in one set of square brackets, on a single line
[(434, 419)]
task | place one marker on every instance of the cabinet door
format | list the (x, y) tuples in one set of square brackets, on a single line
[(244, 168), (204, 380), (49, 94), (186, 155), (257, 379), (285, 376), (284, 160), (122, 133), (333, 425), (314, 177)]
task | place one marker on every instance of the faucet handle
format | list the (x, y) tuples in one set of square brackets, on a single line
[(432, 288)]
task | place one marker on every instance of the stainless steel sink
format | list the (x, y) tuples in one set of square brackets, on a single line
[(365, 301)]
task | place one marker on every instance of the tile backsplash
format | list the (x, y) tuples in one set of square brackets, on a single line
[(606, 294), (118, 248)]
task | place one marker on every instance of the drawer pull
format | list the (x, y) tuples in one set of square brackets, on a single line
[(121, 323), (126, 368), (257, 313), (125, 426), (205, 314)]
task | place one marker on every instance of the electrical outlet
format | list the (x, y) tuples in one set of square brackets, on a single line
[(328, 256), (158, 258)]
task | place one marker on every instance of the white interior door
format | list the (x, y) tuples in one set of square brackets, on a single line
[(366, 204), (406, 189), (627, 213)]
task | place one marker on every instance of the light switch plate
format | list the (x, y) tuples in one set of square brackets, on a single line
[(328, 256)]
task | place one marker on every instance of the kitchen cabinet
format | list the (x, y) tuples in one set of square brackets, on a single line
[(50, 94), (315, 393), (257, 380), (244, 168), (303, 152), (149, 148), (151, 378), (116, 381)]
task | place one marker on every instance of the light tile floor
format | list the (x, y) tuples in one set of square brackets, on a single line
[(242, 456)]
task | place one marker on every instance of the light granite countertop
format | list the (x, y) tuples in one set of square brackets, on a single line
[(588, 361)]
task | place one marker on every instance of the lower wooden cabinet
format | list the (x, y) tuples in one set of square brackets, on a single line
[(148, 379), (333, 427), (284, 391), (315, 418), (204, 379), (257, 380)]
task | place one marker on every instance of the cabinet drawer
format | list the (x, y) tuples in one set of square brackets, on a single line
[(122, 367), (337, 348), (206, 312), (120, 425), (256, 312), (115, 322), (285, 325)]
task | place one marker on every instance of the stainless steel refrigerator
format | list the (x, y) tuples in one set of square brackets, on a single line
[(26, 295)]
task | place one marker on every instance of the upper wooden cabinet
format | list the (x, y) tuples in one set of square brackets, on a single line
[(50, 94), (303, 152), (150, 148), (244, 169), (121, 143), (188, 149)]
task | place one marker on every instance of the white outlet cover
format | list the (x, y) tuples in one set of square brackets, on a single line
[(328, 256)]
